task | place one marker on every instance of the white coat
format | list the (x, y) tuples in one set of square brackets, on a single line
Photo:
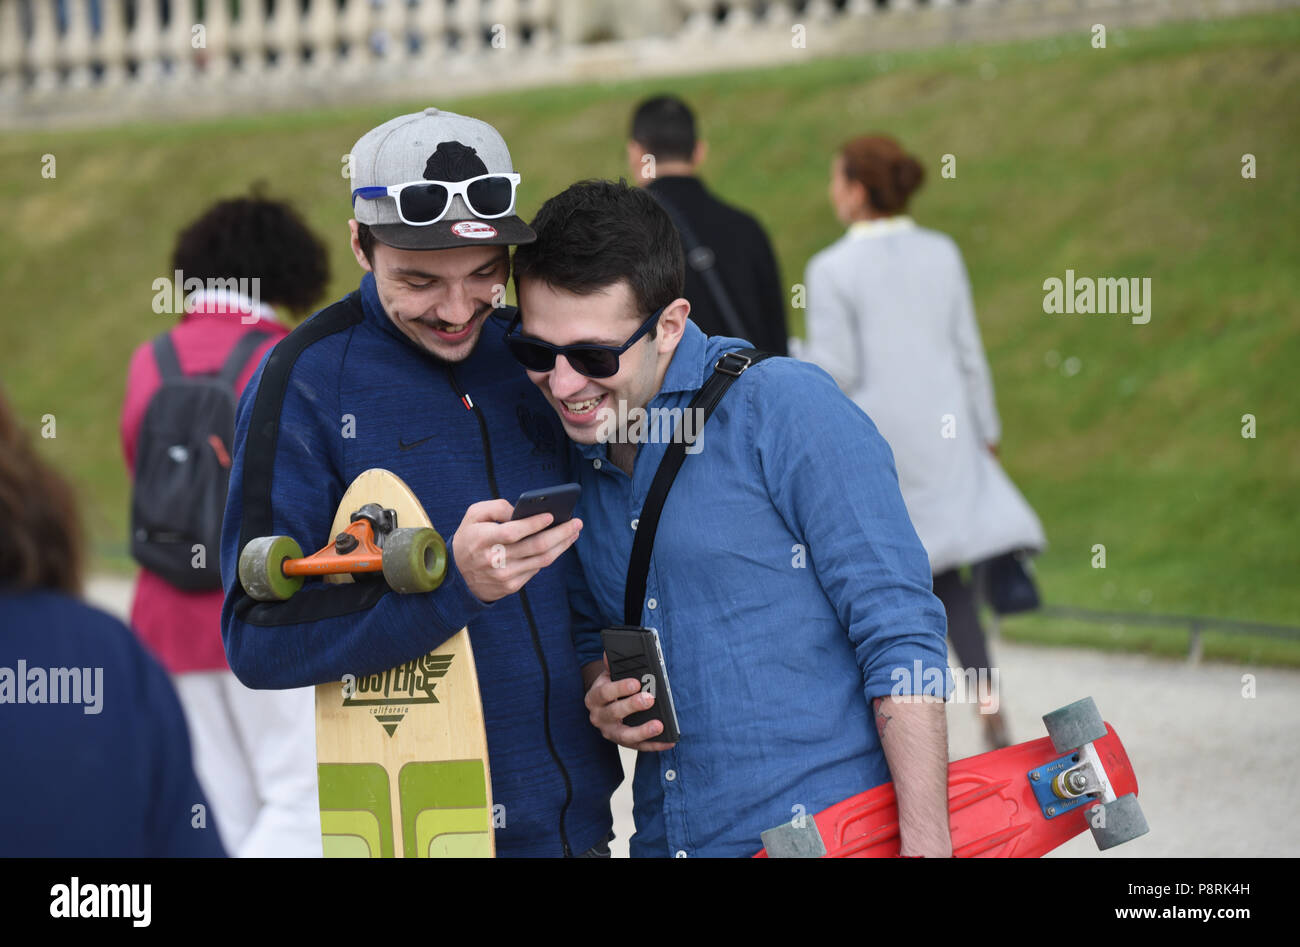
[(890, 317)]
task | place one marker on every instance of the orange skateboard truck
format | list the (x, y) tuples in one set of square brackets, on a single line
[(273, 568)]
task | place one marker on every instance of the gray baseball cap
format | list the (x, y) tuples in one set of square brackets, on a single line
[(432, 146)]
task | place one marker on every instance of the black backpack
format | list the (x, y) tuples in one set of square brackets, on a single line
[(182, 467)]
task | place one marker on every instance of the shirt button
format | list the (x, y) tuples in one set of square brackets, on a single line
[(670, 775), (596, 463), (680, 854), (634, 522), (651, 604)]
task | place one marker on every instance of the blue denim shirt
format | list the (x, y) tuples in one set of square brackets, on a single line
[(788, 588)]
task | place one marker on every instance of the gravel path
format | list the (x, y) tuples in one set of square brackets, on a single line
[(1214, 767)]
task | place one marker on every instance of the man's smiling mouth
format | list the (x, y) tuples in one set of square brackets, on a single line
[(579, 411), (450, 331)]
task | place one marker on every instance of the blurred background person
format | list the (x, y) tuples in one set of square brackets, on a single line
[(98, 764), (891, 317), (732, 280), (255, 751)]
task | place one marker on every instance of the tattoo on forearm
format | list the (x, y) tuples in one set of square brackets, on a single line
[(882, 718)]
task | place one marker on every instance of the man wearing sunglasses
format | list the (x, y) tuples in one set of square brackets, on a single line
[(410, 373), (790, 593)]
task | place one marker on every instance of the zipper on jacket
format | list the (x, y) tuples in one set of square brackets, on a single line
[(528, 616)]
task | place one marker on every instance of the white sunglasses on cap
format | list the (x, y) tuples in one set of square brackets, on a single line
[(420, 203)]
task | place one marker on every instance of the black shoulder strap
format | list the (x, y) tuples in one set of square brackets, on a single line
[(701, 259), (263, 435), (164, 355), (239, 355), (169, 365), (725, 371)]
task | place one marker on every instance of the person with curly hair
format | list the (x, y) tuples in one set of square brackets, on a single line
[(254, 750)]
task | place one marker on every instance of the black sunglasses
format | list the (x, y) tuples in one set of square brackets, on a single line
[(587, 358)]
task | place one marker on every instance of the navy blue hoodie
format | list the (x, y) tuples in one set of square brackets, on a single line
[(97, 755), (347, 391)]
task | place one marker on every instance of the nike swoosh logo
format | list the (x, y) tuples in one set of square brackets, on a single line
[(402, 445)]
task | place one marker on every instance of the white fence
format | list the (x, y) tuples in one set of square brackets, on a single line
[(111, 59)]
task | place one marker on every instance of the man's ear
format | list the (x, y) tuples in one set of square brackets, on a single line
[(637, 165), (671, 325), (700, 154), (356, 247)]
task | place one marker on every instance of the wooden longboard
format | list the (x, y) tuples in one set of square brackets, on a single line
[(402, 755)]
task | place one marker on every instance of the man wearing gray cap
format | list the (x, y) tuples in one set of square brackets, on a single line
[(410, 373)]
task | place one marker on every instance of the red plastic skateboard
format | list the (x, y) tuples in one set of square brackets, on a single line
[(1021, 801)]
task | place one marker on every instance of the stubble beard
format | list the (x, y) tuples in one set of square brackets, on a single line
[(446, 352)]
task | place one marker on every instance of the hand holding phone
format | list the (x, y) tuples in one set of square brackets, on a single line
[(610, 703), (636, 670), (559, 501), (497, 551)]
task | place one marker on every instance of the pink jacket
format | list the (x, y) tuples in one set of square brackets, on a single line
[(183, 629)]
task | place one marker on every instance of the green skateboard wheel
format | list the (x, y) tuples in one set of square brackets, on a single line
[(261, 568), (415, 560)]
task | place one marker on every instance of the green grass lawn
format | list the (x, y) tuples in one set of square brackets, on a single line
[(1117, 162), (1171, 641)]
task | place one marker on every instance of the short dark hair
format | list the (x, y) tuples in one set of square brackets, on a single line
[(594, 234), (665, 127), (254, 237), (366, 238)]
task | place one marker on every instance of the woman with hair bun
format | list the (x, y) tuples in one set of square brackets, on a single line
[(891, 318)]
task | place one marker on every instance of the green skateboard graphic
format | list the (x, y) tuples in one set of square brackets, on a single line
[(444, 810)]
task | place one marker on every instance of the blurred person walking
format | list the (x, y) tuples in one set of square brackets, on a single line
[(732, 281), (255, 751), (96, 753), (891, 317)]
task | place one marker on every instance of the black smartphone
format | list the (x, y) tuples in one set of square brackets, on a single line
[(635, 652), (559, 501)]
